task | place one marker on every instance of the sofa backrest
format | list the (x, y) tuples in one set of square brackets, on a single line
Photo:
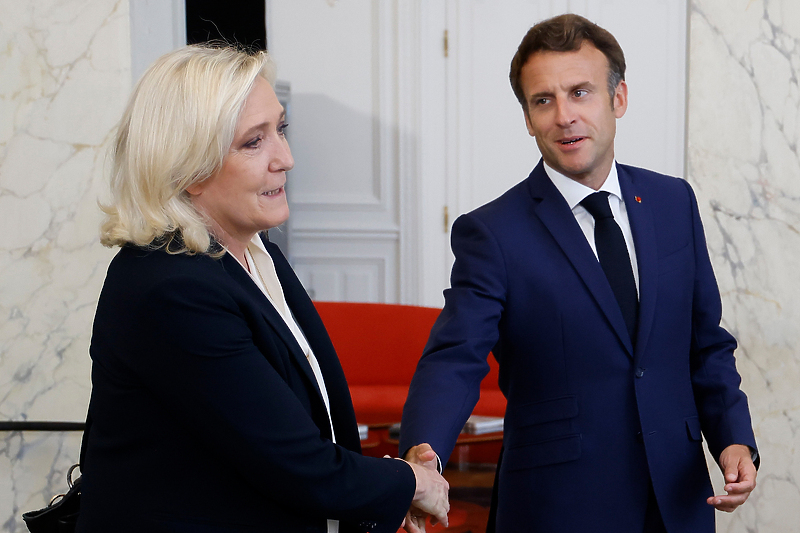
[(380, 345), (377, 343)]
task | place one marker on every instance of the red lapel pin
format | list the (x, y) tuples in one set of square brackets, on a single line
[(638, 199)]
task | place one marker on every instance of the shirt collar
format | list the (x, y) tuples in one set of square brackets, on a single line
[(255, 246), (573, 192)]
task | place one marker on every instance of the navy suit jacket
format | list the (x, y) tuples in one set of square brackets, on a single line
[(591, 420), (206, 416)]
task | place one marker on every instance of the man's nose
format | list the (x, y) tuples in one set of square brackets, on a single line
[(565, 112)]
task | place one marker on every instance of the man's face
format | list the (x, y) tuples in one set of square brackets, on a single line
[(570, 113)]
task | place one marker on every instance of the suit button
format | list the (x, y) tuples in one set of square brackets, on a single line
[(639, 372)]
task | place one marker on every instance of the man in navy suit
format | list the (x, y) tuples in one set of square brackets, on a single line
[(590, 281)]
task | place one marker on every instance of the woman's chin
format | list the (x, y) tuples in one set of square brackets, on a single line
[(278, 217)]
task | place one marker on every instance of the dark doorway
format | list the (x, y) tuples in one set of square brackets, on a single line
[(234, 21)]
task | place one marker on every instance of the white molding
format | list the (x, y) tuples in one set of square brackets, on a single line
[(178, 23), (324, 202), (324, 266), (433, 249), (267, 20), (348, 234), (382, 191), (385, 104), (358, 226), (463, 176), (408, 150), (312, 260), (344, 278)]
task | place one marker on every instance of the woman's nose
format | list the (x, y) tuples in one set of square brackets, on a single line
[(282, 159)]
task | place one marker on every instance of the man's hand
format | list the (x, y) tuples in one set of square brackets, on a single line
[(740, 477), (423, 454), (431, 496)]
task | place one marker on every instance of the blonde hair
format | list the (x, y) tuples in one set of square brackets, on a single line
[(177, 128)]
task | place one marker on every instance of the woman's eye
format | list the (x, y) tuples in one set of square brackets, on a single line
[(254, 143)]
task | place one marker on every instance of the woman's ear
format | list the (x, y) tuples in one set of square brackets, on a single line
[(197, 188)]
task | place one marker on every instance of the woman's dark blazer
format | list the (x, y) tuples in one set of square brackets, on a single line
[(206, 416)]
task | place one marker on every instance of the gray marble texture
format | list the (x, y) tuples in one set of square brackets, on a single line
[(742, 159), (64, 78)]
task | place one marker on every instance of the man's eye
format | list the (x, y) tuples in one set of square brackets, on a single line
[(581, 92), (542, 101), (282, 128)]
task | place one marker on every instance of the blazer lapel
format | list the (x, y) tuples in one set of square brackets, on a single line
[(640, 216), (341, 407), (559, 220), (271, 315)]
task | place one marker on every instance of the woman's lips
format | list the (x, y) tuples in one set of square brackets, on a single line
[(273, 192)]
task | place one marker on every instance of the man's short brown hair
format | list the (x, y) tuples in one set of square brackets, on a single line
[(566, 33)]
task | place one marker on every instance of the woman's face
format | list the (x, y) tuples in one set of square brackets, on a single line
[(247, 194)]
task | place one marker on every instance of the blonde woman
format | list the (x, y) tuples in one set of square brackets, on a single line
[(218, 402)]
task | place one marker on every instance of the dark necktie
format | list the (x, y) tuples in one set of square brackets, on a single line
[(612, 252)]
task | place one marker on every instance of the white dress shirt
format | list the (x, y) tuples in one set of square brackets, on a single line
[(574, 192), (262, 271)]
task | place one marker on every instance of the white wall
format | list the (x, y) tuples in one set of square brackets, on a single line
[(480, 146), (340, 58), (387, 132)]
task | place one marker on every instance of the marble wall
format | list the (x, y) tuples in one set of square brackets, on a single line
[(743, 133), (64, 78)]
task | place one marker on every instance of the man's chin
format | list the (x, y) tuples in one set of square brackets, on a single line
[(571, 169)]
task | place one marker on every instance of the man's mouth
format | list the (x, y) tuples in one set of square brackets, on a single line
[(572, 140)]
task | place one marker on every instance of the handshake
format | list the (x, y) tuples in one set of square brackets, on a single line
[(431, 494)]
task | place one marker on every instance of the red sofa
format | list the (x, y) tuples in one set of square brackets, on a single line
[(379, 346)]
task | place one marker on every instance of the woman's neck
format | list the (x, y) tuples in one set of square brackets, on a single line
[(236, 246)]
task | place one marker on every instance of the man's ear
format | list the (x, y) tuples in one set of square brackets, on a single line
[(620, 100)]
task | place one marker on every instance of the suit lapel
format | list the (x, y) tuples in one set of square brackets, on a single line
[(271, 315), (640, 216), (555, 214), (341, 408)]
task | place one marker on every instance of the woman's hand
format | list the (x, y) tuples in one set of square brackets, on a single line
[(431, 494)]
